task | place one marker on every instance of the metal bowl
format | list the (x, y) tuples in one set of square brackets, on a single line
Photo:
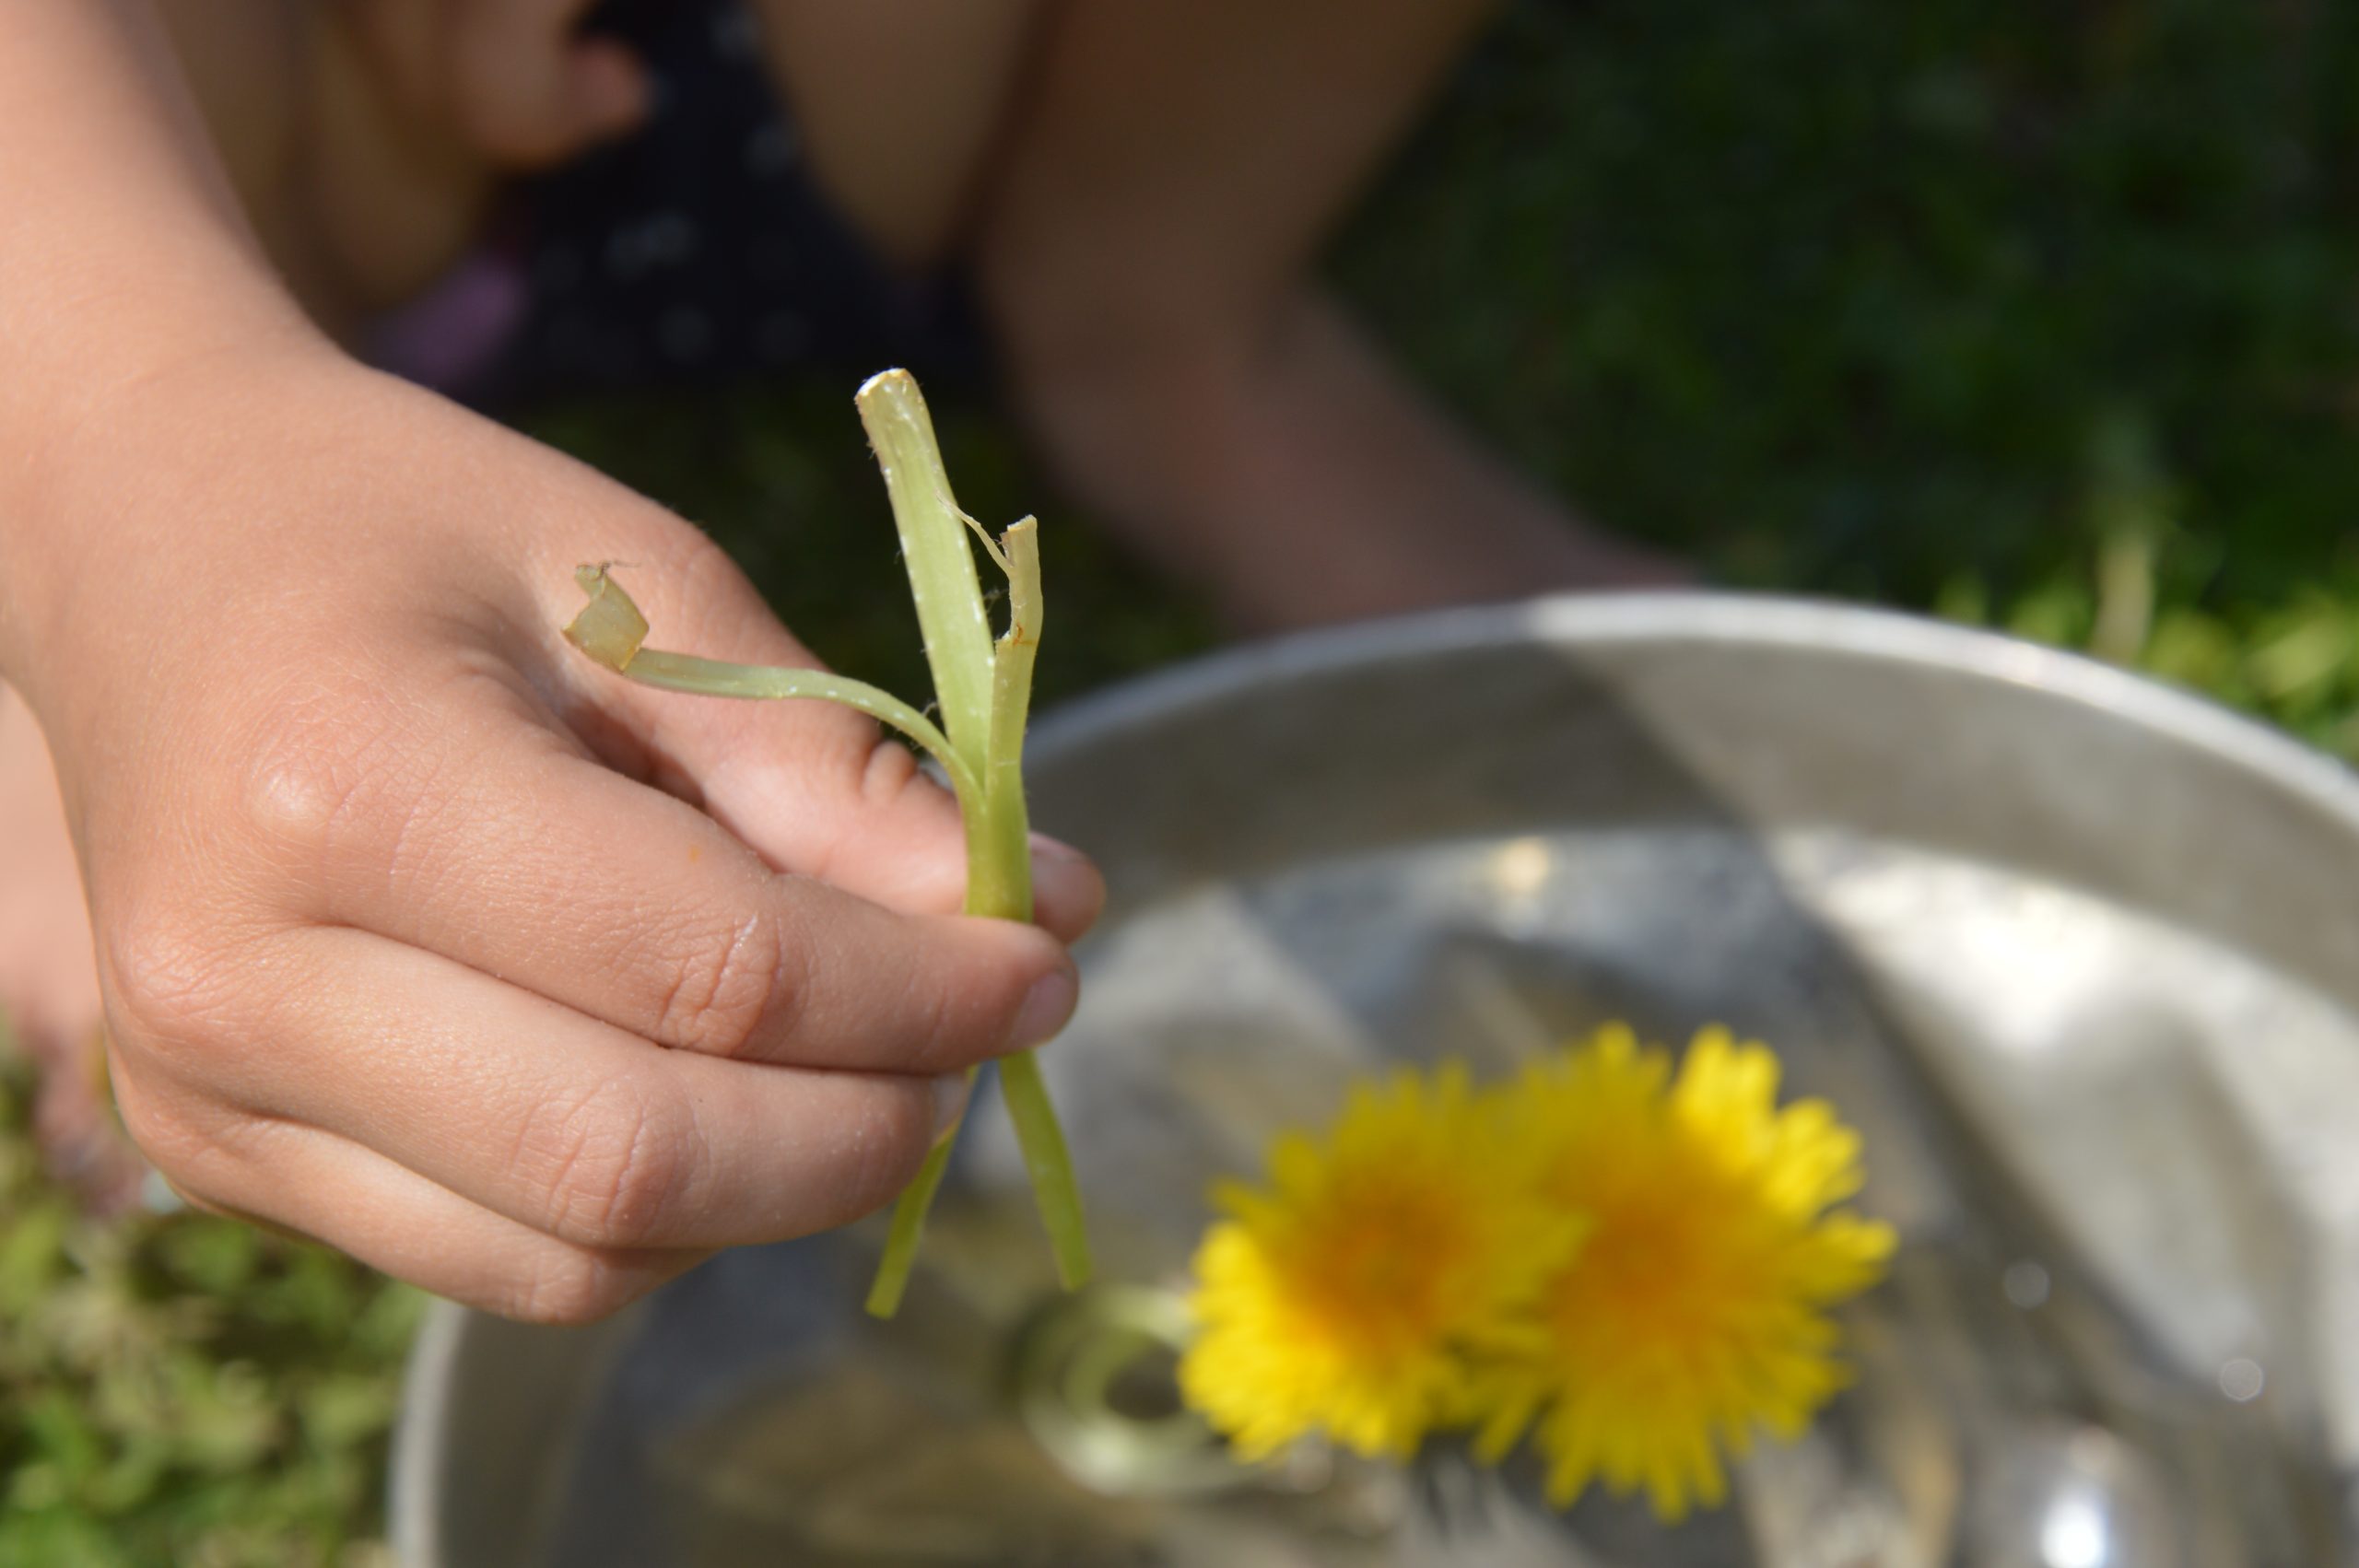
[(2075, 952)]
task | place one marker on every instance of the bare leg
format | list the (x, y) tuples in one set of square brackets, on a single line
[(900, 104), (361, 201), (1145, 186), (1147, 254), (367, 138)]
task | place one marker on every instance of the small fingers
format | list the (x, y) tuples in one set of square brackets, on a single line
[(566, 1126), (519, 857), (290, 1177)]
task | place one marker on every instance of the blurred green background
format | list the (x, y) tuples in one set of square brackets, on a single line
[(2040, 314)]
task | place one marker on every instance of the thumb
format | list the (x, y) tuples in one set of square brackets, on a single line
[(814, 787)]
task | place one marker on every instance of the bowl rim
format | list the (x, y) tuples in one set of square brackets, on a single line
[(1712, 618), (1573, 621)]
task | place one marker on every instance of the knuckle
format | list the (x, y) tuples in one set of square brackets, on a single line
[(213, 1158), (169, 1139), (166, 987), (615, 1166), (321, 772), (726, 997)]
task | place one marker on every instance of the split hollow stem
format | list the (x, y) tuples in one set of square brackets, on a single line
[(984, 689)]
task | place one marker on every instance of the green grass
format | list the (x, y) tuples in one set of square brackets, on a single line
[(2035, 314), (183, 1390)]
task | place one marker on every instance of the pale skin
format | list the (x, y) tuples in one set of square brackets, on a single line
[(412, 930)]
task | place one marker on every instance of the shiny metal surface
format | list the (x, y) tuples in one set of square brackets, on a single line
[(2076, 953)]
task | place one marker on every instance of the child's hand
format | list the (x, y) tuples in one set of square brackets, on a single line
[(422, 934)]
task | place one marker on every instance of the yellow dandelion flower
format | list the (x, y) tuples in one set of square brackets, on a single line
[(1695, 1307), (1341, 1296)]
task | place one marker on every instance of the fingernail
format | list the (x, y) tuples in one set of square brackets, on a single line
[(1046, 1007), (950, 1091)]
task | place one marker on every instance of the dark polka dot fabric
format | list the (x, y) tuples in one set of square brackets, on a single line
[(701, 250)]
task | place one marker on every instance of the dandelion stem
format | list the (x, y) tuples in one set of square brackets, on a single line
[(984, 691), (909, 1226), (992, 684)]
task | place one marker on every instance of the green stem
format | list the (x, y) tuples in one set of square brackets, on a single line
[(1007, 822), (909, 1226), (1049, 1164), (942, 582), (999, 880), (997, 682), (712, 677), (985, 692), (611, 630)]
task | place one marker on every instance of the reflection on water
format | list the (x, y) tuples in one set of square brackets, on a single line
[(855, 1466)]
